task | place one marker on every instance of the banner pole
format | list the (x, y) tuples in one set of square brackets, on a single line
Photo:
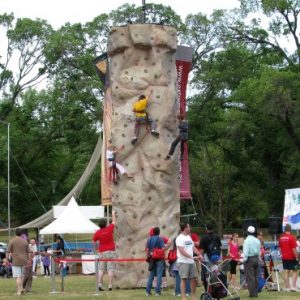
[(97, 273), (53, 289)]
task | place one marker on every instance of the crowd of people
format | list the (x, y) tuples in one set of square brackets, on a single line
[(191, 260), (23, 257)]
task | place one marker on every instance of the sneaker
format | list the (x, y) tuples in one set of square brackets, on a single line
[(148, 294), (294, 289), (286, 290), (154, 133), (157, 295), (110, 288), (168, 157), (101, 289), (134, 140)]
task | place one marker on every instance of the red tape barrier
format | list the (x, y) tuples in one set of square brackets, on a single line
[(125, 259), (102, 259)]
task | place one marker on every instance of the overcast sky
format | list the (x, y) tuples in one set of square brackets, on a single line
[(58, 12)]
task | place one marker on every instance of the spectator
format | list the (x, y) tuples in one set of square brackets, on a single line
[(174, 272), (210, 244), (233, 251), (185, 260), (60, 247), (105, 237), (20, 252), (168, 244), (156, 267), (241, 264), (46, 262), (288, 247), (251, 261), (28, 270), (34, 249)]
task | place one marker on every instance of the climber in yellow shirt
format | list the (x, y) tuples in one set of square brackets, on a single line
[(142, 117)]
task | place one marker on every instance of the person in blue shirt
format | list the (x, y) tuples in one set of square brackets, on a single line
[(156, 267), (251, 250)]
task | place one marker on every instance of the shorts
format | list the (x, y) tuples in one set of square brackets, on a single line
[(289, 264), (187, 271), (107, 265), (18, 271), (233, 264)]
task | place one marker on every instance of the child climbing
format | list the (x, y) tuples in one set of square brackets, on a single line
[(142, 117), (182, 137), (111, 152)]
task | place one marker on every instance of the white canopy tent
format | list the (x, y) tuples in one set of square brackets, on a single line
[(71, 221)]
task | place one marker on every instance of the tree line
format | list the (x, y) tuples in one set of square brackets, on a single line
[(244, 109)]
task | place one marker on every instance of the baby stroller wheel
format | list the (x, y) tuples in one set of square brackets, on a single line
[(206, 296)]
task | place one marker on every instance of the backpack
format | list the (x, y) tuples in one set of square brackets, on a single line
[(172, 255), (213, 247)]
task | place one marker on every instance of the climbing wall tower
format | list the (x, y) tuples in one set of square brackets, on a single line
[(142, 58)]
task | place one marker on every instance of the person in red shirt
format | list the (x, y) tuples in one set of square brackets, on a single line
[(233, 251), (106, 249), (288, 247)]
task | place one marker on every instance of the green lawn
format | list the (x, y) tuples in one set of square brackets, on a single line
[(83, 287)]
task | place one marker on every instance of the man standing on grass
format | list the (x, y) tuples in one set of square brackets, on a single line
[(288, 247), (186, 260), (19, 250), (106, 249), (251, 261)]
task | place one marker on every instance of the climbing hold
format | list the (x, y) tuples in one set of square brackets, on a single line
[(123, 135)]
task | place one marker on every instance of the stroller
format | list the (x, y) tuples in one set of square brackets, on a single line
[(217, 281)]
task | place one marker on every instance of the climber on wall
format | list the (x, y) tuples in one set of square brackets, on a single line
[(182, 137), (142, 117), (111, 152)]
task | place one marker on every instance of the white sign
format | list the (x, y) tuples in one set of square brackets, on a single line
[(291, 213)]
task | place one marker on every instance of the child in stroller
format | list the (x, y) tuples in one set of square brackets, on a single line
[(217, 281), (5, 269)]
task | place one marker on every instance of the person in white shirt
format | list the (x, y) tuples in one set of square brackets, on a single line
[(111, 152), (186, 260)]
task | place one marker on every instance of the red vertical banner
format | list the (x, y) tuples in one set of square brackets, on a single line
[(183, 66)]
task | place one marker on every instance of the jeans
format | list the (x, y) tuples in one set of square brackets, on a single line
[(177, 284), (174, 144), (158, 272), (143, 120)]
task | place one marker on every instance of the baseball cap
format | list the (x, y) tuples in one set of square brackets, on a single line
[(215, 258), (251, 229)]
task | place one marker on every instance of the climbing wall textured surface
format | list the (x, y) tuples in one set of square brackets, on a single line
[(142, 59)]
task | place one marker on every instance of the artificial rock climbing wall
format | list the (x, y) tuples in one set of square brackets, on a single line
[(142, 59)]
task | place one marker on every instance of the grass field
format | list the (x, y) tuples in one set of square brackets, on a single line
[(83, 287)]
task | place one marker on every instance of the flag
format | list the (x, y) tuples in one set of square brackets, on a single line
[(101, 65)]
